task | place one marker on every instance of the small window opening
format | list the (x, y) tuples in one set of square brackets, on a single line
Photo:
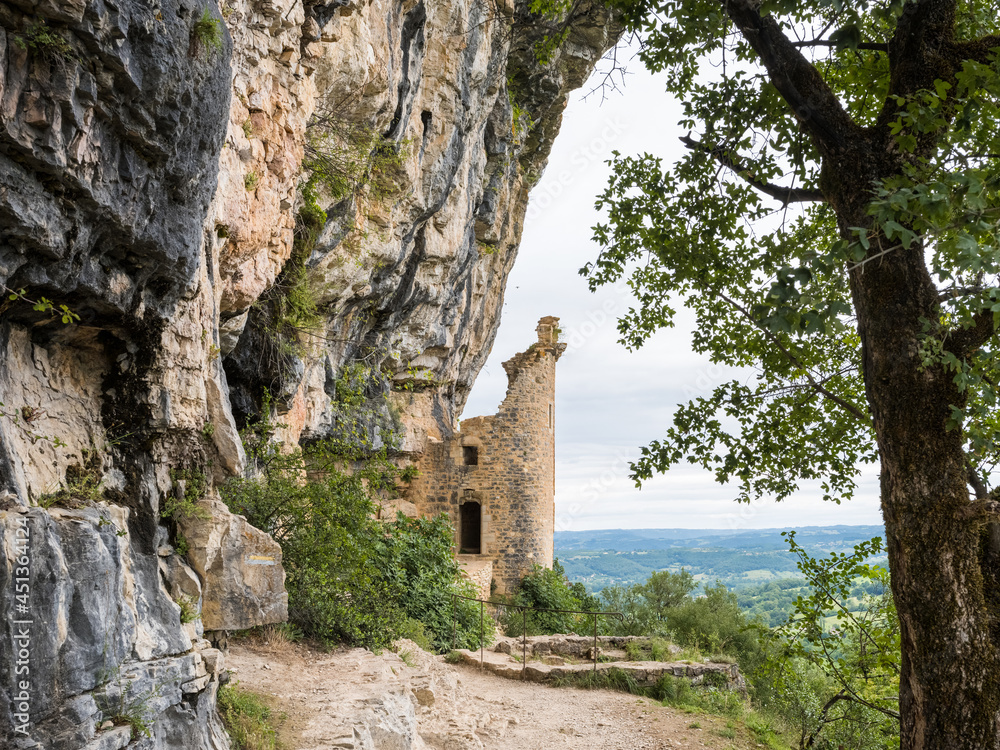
[(552, 415), (470, 455), (470, 518)]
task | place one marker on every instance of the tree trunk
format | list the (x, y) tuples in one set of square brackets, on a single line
[(950, 679), (945, 562)]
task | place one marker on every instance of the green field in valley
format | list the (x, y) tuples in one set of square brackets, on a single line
[(755, 563)]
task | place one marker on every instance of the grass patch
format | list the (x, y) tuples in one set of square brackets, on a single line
[(274, 638), (453, 657), (248, 718), (653, 649)]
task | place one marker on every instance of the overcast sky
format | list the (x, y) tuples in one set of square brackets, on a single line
[(610, 401)]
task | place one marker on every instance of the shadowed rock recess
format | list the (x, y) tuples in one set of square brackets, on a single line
[(151, 176)]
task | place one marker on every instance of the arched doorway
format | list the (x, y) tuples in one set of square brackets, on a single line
[(470, 528)]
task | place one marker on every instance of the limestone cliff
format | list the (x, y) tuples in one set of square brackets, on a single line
[(151, 156)]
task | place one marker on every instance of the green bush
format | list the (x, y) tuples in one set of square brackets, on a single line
[(421, 550), (548, 588), (350, 577), (334, 552), (647, 606), (415, 631), (713, 623)]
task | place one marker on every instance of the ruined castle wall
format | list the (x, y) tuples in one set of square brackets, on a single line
[(513, 478)]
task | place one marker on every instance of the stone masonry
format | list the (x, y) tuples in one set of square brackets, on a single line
[(495, 478)]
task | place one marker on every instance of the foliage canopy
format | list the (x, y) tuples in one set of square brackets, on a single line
[(765, 266), (835, 225)]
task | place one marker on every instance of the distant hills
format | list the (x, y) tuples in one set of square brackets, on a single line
[(739, 558)]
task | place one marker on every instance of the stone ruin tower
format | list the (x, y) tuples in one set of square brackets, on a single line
[(495, 478)]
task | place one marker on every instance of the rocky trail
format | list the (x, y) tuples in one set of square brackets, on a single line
[(412, 699)]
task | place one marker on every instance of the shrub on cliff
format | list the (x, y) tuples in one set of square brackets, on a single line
[(350, 577), (333, 550)]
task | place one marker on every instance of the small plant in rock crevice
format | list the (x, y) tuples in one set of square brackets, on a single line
[(206, 34), (83, 486), (189, 609), (122, 703), (47, 44), (189, 487)]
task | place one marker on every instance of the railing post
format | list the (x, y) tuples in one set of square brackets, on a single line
[(595, 643), (524, 642), (524, 627)]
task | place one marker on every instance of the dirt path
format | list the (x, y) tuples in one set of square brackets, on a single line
[(549, 717), (359, 700)]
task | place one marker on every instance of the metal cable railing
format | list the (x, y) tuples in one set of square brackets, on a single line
[(524, 624)]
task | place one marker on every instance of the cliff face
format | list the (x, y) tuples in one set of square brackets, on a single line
[(151, 159)]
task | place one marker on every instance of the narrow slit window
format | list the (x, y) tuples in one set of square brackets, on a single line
[(552, 415)]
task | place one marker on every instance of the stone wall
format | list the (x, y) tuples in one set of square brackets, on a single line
[(511, 474), (479, 573)]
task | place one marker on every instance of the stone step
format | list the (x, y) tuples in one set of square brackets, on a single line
[(645, 673)]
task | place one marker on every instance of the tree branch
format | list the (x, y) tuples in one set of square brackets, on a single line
[(811, 739), (979, 50), (817, 108), (976, 482), (816, 385), (965, 341), (980, 510), (959, 291), (920, 49), (847, 686), (875, 46), (784, 194)]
